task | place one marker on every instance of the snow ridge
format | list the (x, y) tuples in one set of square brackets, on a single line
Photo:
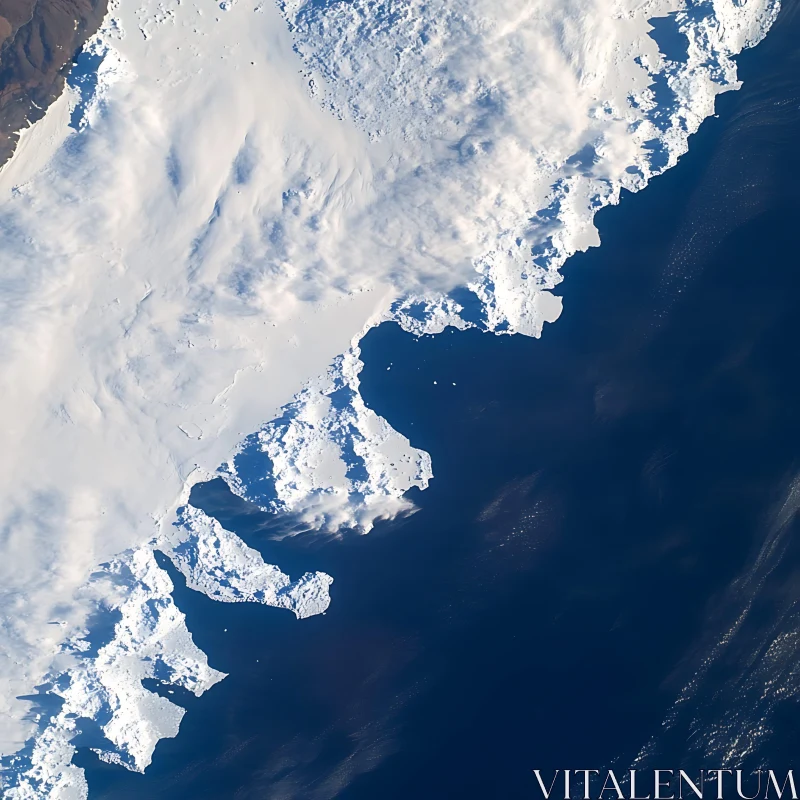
[(100, 689), (328, 460), (398, 70), (219, 564), (104, 685)]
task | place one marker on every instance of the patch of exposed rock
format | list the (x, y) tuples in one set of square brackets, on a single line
[(38, 41)]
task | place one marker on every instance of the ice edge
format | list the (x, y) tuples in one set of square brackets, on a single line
[(327, 458)]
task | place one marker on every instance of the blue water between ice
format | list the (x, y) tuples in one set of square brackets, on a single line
[(593, 490)]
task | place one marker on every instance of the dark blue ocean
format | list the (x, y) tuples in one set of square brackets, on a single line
[(598, 493)]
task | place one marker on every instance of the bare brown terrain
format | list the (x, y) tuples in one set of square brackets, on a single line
[(38, 41)]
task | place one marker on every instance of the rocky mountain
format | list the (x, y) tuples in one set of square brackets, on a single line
[(38, 41)]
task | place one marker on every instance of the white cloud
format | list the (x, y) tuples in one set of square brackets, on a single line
[(214, 237)]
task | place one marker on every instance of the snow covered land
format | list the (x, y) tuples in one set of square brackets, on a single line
[(195, 238)]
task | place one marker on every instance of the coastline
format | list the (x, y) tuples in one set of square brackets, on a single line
[(624, 448), (247, 398)]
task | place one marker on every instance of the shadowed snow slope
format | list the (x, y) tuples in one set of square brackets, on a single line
[(195, 238)]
